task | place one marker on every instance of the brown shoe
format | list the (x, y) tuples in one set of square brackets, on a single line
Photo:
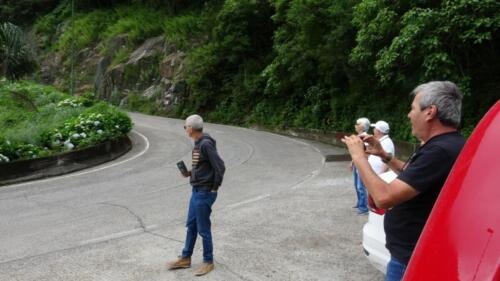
[(204, 269), (181, 262)]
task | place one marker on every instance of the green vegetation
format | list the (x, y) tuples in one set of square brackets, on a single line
[(38, 121), (137, 22), (225, 73), (16, 58), (190, 28), (302, 63), (25, 11), (85, 30), (142, 104), (334, 61)]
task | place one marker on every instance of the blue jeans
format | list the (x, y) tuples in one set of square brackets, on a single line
[(198, 222), (395, 270), (360, 191)]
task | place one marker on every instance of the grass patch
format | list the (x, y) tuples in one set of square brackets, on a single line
[(139, 23), (85, 30), (189, 29), (121, 56)]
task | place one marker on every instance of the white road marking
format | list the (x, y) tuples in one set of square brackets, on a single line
[(300, 184), (117, 235), (311, 146), (85, 172), (251, 200)]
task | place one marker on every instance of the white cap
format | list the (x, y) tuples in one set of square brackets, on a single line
[(382, 126)]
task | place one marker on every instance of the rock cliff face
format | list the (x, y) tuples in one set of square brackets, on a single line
[(155, 70)]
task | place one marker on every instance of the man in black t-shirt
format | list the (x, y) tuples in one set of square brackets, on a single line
[(434, 116)]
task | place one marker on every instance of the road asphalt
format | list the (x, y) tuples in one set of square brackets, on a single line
[(282, 213)]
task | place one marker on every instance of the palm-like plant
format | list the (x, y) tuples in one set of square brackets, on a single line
[(16, 58)]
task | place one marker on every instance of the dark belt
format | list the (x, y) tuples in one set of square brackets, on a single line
[(203, 188)]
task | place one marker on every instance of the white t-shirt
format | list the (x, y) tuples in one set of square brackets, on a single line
[(376, 162)]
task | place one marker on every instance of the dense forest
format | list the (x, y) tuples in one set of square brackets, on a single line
[(289, 63)]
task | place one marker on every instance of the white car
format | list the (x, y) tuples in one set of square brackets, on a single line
[(374, 235)]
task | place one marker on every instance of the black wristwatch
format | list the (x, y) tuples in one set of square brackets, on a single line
[(387, 159)]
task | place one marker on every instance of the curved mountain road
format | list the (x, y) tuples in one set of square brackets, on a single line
[(282, 213)]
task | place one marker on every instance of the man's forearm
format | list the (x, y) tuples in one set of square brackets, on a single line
[(395, 164)]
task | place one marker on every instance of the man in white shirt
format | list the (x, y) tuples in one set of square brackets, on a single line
[(381, 132)]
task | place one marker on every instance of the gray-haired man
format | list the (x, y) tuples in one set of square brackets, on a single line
[(205, 177), (434, 116), (361, 126)]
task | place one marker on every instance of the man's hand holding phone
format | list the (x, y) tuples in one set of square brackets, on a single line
[(183, 169), (374, 147)]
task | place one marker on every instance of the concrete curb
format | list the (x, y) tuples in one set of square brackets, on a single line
[(26, 170), (403, 149), (333, 139)]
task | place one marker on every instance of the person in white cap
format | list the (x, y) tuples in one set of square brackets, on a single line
[(381, 133)]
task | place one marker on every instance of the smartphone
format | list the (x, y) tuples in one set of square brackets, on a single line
[(182, 168)]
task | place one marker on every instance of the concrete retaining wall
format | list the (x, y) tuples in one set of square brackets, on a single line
[(25, 170)]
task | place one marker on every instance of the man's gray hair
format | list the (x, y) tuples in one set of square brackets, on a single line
[(447, 98), (195, 122), (364, 122)]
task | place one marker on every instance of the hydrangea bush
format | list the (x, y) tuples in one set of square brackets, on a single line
[(87, 129), (44, 121), (74, 102), (10, 151)]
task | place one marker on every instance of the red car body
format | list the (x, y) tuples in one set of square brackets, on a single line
[(461, 240)]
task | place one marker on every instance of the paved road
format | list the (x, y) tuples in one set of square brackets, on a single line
[(282, 214)]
